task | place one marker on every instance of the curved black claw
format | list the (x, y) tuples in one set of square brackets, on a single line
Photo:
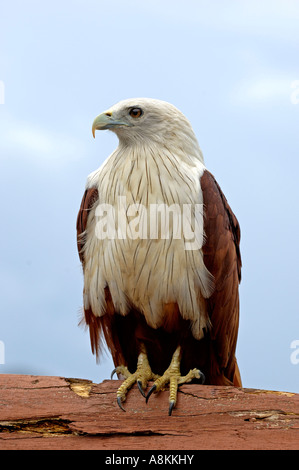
[(112, 373), (151, 390), (171, 406), (139, 384), (119, 403)]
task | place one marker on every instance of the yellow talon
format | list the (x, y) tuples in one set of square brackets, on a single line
[(142, 375), (173, 376)]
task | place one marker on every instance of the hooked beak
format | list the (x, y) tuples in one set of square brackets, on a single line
[(106, 121)]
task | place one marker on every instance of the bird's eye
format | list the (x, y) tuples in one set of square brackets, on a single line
[(135, 112)]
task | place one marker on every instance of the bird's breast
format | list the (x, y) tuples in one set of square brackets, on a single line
[(145, 238)]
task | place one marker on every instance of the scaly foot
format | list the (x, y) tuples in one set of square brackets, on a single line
[(173, 376), (142, 375)]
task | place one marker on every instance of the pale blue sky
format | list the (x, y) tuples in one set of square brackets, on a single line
[(229, 66)]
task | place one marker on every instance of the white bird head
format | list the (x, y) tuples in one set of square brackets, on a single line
[(145, 120)]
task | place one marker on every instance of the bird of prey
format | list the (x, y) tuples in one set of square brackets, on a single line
[(160, 250)]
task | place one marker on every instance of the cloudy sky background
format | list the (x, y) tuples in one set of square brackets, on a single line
[(230, 67)]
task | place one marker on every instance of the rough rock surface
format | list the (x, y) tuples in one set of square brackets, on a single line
[(39, 412)]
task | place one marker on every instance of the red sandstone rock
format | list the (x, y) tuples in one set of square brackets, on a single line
[(38, 412)]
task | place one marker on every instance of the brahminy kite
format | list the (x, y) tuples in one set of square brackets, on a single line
[(160, 250)]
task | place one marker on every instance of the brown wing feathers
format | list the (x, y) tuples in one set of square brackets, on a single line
[(222, 258), (92, 322), (89, 198), (103, 326)]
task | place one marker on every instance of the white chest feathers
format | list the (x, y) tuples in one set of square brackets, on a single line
[(144, 237)]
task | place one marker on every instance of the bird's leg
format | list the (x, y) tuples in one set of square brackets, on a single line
[(173, 376), (142, 375)]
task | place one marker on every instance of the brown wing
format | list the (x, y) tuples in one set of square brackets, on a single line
[(103, 326), (89, 198), (222, 258)]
